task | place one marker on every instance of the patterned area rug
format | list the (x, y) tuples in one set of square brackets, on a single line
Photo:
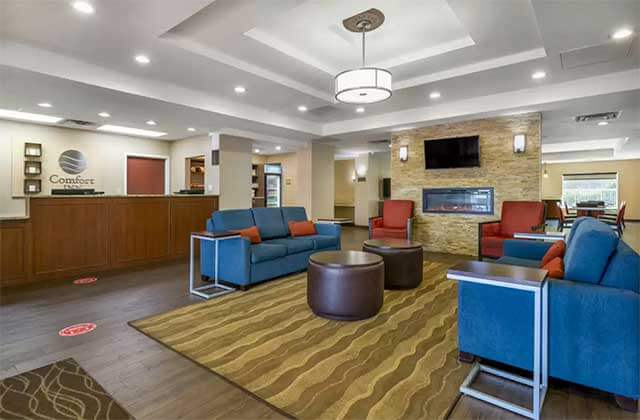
[(61, 390), (401, 363)]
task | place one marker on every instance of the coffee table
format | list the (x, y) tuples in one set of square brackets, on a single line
[(532, 280), (345, 285), (402, 261)]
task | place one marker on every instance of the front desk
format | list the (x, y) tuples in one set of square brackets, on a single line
[(69, 237)]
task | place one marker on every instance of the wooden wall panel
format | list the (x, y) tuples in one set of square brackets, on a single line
[(14, 252), (139, 229), (69, 235), (188, 215)]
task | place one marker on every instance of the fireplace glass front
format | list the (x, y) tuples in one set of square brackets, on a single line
[(457, 200)]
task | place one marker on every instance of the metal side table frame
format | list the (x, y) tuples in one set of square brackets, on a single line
[(540, 381), (214, 237)]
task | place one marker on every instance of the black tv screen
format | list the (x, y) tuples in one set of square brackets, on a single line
[(458, 152)]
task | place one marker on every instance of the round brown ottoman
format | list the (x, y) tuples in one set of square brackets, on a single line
[(402, 261), (345, 285)]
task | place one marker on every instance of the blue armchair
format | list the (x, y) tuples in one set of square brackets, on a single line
[(594, 313), (243, 264)]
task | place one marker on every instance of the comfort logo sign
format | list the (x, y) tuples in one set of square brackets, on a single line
[(72, 162)]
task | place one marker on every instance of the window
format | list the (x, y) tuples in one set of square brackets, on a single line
[(577, 188)]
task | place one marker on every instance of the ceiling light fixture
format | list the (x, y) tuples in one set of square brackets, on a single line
[(142, 59), (538, 75), (256, 150), (302, 108), (104, 115), (622, 33), (191, 129), (602, 123), (364, 85), (434, 95), (278, 148), (240, 89), (45, 105), (84, 7), (130, 131), (151, 122), (26, 116), (360, 109)]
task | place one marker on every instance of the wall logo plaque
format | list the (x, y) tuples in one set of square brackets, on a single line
[(72, 162)]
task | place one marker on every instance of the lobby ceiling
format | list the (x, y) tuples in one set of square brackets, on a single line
[(479, 56)]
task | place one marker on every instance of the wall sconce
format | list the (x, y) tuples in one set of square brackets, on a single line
[(404, 153), (519, 143), (361, 173), (545, 174), (353, 177)]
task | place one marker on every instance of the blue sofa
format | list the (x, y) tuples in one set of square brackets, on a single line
[(594, 313), (244, 264)]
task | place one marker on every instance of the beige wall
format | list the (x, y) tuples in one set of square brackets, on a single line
[(628, 180), (513, 176), (105, 154), (235, 172), (344, 187), (323, 184), (195, 146)]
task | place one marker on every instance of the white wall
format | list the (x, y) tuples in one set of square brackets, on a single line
[(194, 146), (367, 193), (235, 172)]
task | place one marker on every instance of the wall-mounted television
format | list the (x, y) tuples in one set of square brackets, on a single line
[(457, 152)]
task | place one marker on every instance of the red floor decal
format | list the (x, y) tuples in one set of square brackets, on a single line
[(77, 329), (86, 280)]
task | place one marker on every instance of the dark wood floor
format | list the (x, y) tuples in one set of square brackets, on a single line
[(153, 382)]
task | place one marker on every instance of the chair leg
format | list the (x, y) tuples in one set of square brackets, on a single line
[(627, 404), (465, 357)]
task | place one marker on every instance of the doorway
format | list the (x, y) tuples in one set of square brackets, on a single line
[(194, 179)]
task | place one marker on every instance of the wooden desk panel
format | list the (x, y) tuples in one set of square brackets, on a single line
[(189, 215), (14, 251)]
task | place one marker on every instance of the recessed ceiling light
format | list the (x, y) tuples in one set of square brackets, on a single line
[(240, 89), (278, 148), (539, 75), (104, 115), (151, 122), (302, 108), (45, 105), (434, 95), (131, 131), (622, 33), (191, 129), (84, 7), (603, 123), (142, 59), (360, 110), (256, 150), (26, 116)]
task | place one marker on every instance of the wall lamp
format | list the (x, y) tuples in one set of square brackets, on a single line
[(519, 143), (404, 153)]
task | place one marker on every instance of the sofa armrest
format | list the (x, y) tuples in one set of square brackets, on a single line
[(234, 260), (374, 222), (522, 248), (490, 228), (329, 229)]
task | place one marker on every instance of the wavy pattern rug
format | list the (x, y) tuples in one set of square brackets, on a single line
[(401, 363), (61, 390)]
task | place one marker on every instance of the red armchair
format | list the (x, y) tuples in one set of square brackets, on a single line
[(396, 220), (517, 216)]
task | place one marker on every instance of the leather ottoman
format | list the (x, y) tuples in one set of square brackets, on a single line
[(402, 261), (345, 285)]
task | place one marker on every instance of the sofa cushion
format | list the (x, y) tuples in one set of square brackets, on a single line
[(323, 241), (395, 213), (556, 250), (592, 243), (302, 228), (232, 219), (252, 234), (378, 233), (555, 267), (574, 227), (294, 214), (623, 271), (270, 222), (294, 245), (492, 246), (265, 252), (522, 262), (520, 216)]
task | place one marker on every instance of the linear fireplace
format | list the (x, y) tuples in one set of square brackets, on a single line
[(457, 200)]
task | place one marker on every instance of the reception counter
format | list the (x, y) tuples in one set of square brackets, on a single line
[(69, 237)]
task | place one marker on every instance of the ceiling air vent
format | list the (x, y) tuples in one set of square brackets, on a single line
[(601, 116), (378, 142)]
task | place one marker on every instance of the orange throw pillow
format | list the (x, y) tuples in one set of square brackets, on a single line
[(555, 267), (302, 228), (555, 250), (251, 233)]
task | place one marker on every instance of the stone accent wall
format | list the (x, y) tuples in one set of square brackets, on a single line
[(513, 176)]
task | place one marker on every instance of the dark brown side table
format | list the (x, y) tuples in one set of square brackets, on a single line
[(345, 285), (402, 261)]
